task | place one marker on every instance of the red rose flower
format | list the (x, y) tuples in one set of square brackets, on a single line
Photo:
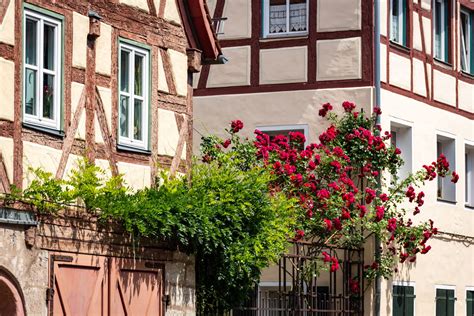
[(226, 143), (392, 225), (326, 256), (348, 106), (299, 234), (379, 213), (334, 264), (236, 126), (455, 177)]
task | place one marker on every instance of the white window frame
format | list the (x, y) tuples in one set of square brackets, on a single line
[(465, 44), (38, 119), (397, 125), (469, 180), (468, 288), (401, 22), (130, 141), (406, 283), (276, 128), (447, 138), (445, 287), (441, 54), (266, 21)]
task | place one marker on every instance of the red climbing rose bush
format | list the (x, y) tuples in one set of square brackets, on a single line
[(337, 185)]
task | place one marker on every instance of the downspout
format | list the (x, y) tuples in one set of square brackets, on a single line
[(378, 279)]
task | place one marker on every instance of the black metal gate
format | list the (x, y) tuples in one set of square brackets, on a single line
[(299, 291)]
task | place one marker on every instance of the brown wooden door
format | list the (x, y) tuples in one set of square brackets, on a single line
[(136, 288), (80, 285)]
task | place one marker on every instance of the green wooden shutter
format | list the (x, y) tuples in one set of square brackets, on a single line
[(445, 302), (470, 302), (403, 300)]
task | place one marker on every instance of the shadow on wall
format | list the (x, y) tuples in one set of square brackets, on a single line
[(11, 302)]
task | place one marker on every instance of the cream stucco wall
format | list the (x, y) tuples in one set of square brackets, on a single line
[(6, 148), (444, 88), (466, 96), (134, 175), (239, 19), (417, 44), (104, 50), (339, 59), (213, 114), (172, 12), (179, 64), (168, 134), (80, 26), (76, 91), (7, 96), (294, 69), (419, 79), (236, 72), (339, 15), (400, 71), (140, 4), (7, 27)]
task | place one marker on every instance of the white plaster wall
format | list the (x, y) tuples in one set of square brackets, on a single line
[(419, 81), (239, 19), (106, 96), (339, 59), (80, 29), (7, 28), (213, 114), (400, 71), (417, 33), (39, 156), (383, 17), (162, 84), (466, 96), (136, 176), (172, 12), (140, 4), (104, 50), (294, 68), (339, 15), (211, 5), (76, 91), (168, 133), (7, 92), (179, 64), (28, 266), (444, 89), (236, 72), (383, 62), (6, 148), (426, 4)]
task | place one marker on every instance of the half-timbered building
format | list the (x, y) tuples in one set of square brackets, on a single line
[(414, 59), (109, 80)]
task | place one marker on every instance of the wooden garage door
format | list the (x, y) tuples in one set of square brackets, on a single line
[(100, 286), (136, 288)]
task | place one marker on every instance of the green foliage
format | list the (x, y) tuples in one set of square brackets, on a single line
[(226, 217)]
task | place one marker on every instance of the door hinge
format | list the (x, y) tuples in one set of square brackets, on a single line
[(49, 294)]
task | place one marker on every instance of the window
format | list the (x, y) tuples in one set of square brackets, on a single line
[(41, 70), (470, 302), (445, 301), (133, 96), (285, 17), (403, 300), (399, 15), (446, 189), (467, 41), (402, 139), (273, 131), (469, 176), (441, 30)]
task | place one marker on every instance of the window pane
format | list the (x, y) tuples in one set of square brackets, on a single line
[(30, 91), (438, 28), (137, 120), (470, 303), (48, 96), (30, 41), (48, 48), (138, 75), (124, 70), (124, 116), (464, 41), (297, 15), (277, 17), (395, 20)]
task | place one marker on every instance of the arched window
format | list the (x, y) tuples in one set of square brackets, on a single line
[(12, 300)]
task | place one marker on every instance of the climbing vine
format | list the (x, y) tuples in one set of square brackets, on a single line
[(249, 197)]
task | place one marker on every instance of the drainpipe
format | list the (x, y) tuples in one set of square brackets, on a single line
[(378, 280)]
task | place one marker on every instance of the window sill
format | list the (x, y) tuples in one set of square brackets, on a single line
[(271, 37), (447, 201), (46, 130), (467, 74), (442, 63), (470, 207), (133, 149), (400, 47)]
